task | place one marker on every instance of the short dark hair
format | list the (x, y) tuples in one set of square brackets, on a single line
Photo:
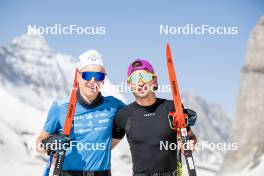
[(136, 64)]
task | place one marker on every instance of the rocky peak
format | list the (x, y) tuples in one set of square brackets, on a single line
[(254, 58), (248, 125)]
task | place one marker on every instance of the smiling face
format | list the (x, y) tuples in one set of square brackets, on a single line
[(142, 83), (90, 88)]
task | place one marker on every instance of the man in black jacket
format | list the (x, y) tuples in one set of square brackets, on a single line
[(146, 125)]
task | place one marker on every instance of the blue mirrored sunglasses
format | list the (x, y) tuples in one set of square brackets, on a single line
[(88, 76)]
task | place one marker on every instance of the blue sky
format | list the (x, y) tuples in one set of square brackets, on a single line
[(206, 64)]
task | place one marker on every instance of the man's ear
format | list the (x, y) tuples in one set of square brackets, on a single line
[(129, 85), (100, 84), (155, 79), (79, 77)]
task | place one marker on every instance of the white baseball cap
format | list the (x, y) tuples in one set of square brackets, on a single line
[(90, 57)]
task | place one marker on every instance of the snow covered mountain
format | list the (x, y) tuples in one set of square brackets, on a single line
[(30, 65), (32, 75), (212, 127), (213, 123)]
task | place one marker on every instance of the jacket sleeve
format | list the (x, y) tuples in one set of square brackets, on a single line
[(51, 125), (119, 125)]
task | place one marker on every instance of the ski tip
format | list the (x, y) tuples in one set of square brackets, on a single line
[(167, 48), (167, 45), (168, 53)]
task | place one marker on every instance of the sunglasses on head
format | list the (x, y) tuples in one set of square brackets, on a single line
[(88, 76), (145, 76)]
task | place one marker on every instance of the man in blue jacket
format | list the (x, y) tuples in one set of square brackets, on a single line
[(91, 133)]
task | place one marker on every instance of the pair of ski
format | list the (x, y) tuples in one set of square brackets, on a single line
[(179, 120), (66, 131)]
